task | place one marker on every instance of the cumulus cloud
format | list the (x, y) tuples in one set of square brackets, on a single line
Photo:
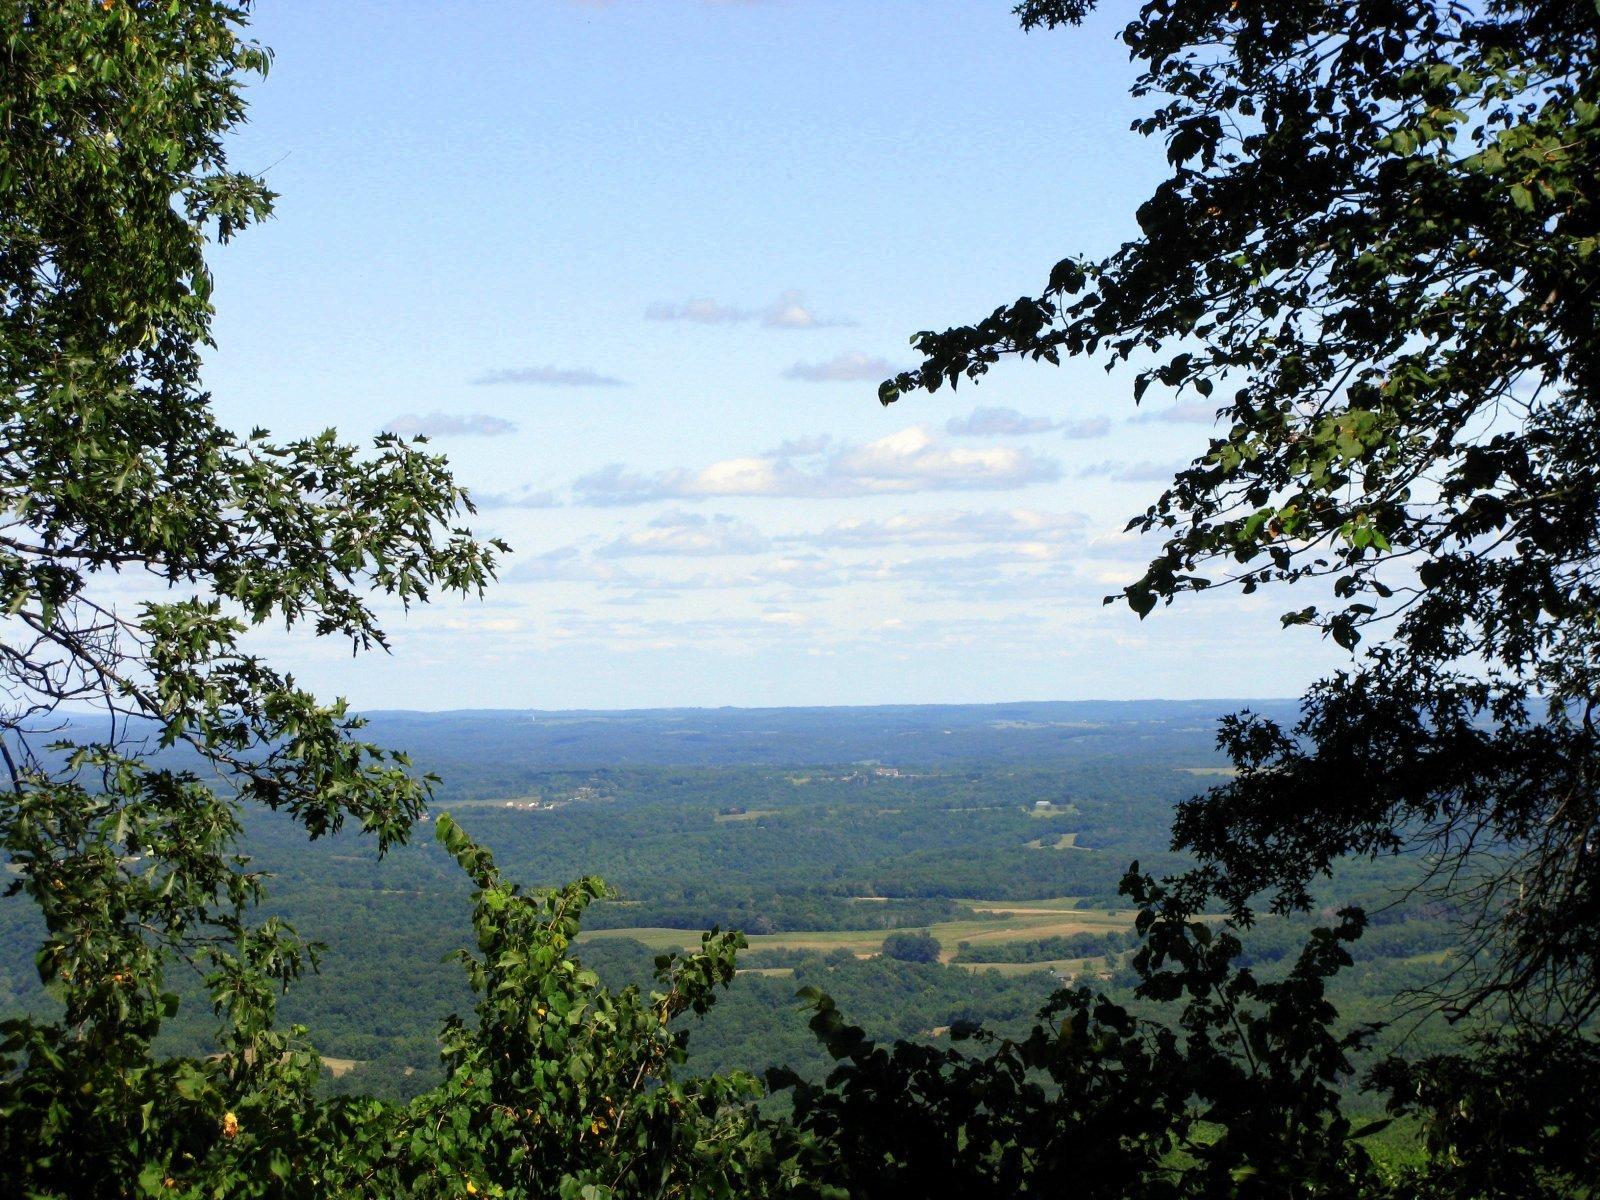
[(905, 462), (795, 573), (524, 497), (843, 368), (549, 376), (802, 447), (701, 311), (798, 573), (1008, 422), (948, 528), (686, 533), (438, 424), (1029, 568), (568, 564), (791, 579), (997, 422), (1089, 427), (565, 562), (1135, 472), (913, 461), (1122, 545), (1187, 412), (783, 617), (788, 311)]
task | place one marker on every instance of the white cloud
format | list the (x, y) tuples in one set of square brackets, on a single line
[(1123, 545), (1186, 412), (997, 422), (702, 311), (482, 624), (1027, 569), (802, 447), (901, 463), (1008, 422), (1136, 472), (802, 572), (525, 497), (1089, 427), (685, 533), (997, 571), (549, 376), (799, 572), (788, 311), (843, 368), (948, 528), (438, 424), (568, 564), (912, 461)]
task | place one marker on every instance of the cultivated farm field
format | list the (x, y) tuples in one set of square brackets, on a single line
[(993, 922)]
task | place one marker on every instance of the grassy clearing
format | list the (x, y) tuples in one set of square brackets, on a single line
[(1022, 911), (1007, 922), (1430, 957), (1055, 810), (514, 802), (752, 815), (1067, 841)]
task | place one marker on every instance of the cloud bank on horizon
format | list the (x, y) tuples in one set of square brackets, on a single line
[(747, 553), (912, 460)]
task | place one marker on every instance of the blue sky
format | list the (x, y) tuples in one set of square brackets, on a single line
[(637, 268)]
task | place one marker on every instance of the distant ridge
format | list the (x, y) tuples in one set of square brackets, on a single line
[(474, 750)]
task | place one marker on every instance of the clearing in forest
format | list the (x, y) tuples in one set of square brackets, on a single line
[(993, 922)]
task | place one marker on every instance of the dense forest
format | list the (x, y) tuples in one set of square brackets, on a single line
[(854, 847)]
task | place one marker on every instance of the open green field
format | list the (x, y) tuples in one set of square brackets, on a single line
[(1098, 918), (1066, 841), (995, 921)]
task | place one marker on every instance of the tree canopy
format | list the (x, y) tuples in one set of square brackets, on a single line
[(1376, 252), (912, 947)]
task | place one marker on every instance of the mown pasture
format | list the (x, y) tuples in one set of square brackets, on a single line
[(992, 922)]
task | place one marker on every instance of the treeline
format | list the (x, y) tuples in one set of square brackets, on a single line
[(928, 842), (1046, 949), (839, 831), (758, 912)]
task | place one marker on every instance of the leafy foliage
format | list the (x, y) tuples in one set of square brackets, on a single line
[(561, 1087), (112, 179), (1518, 1118), (1375, 250), (920, 947), (1237, 1100)]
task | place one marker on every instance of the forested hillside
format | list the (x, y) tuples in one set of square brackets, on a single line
[(815, 863)]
